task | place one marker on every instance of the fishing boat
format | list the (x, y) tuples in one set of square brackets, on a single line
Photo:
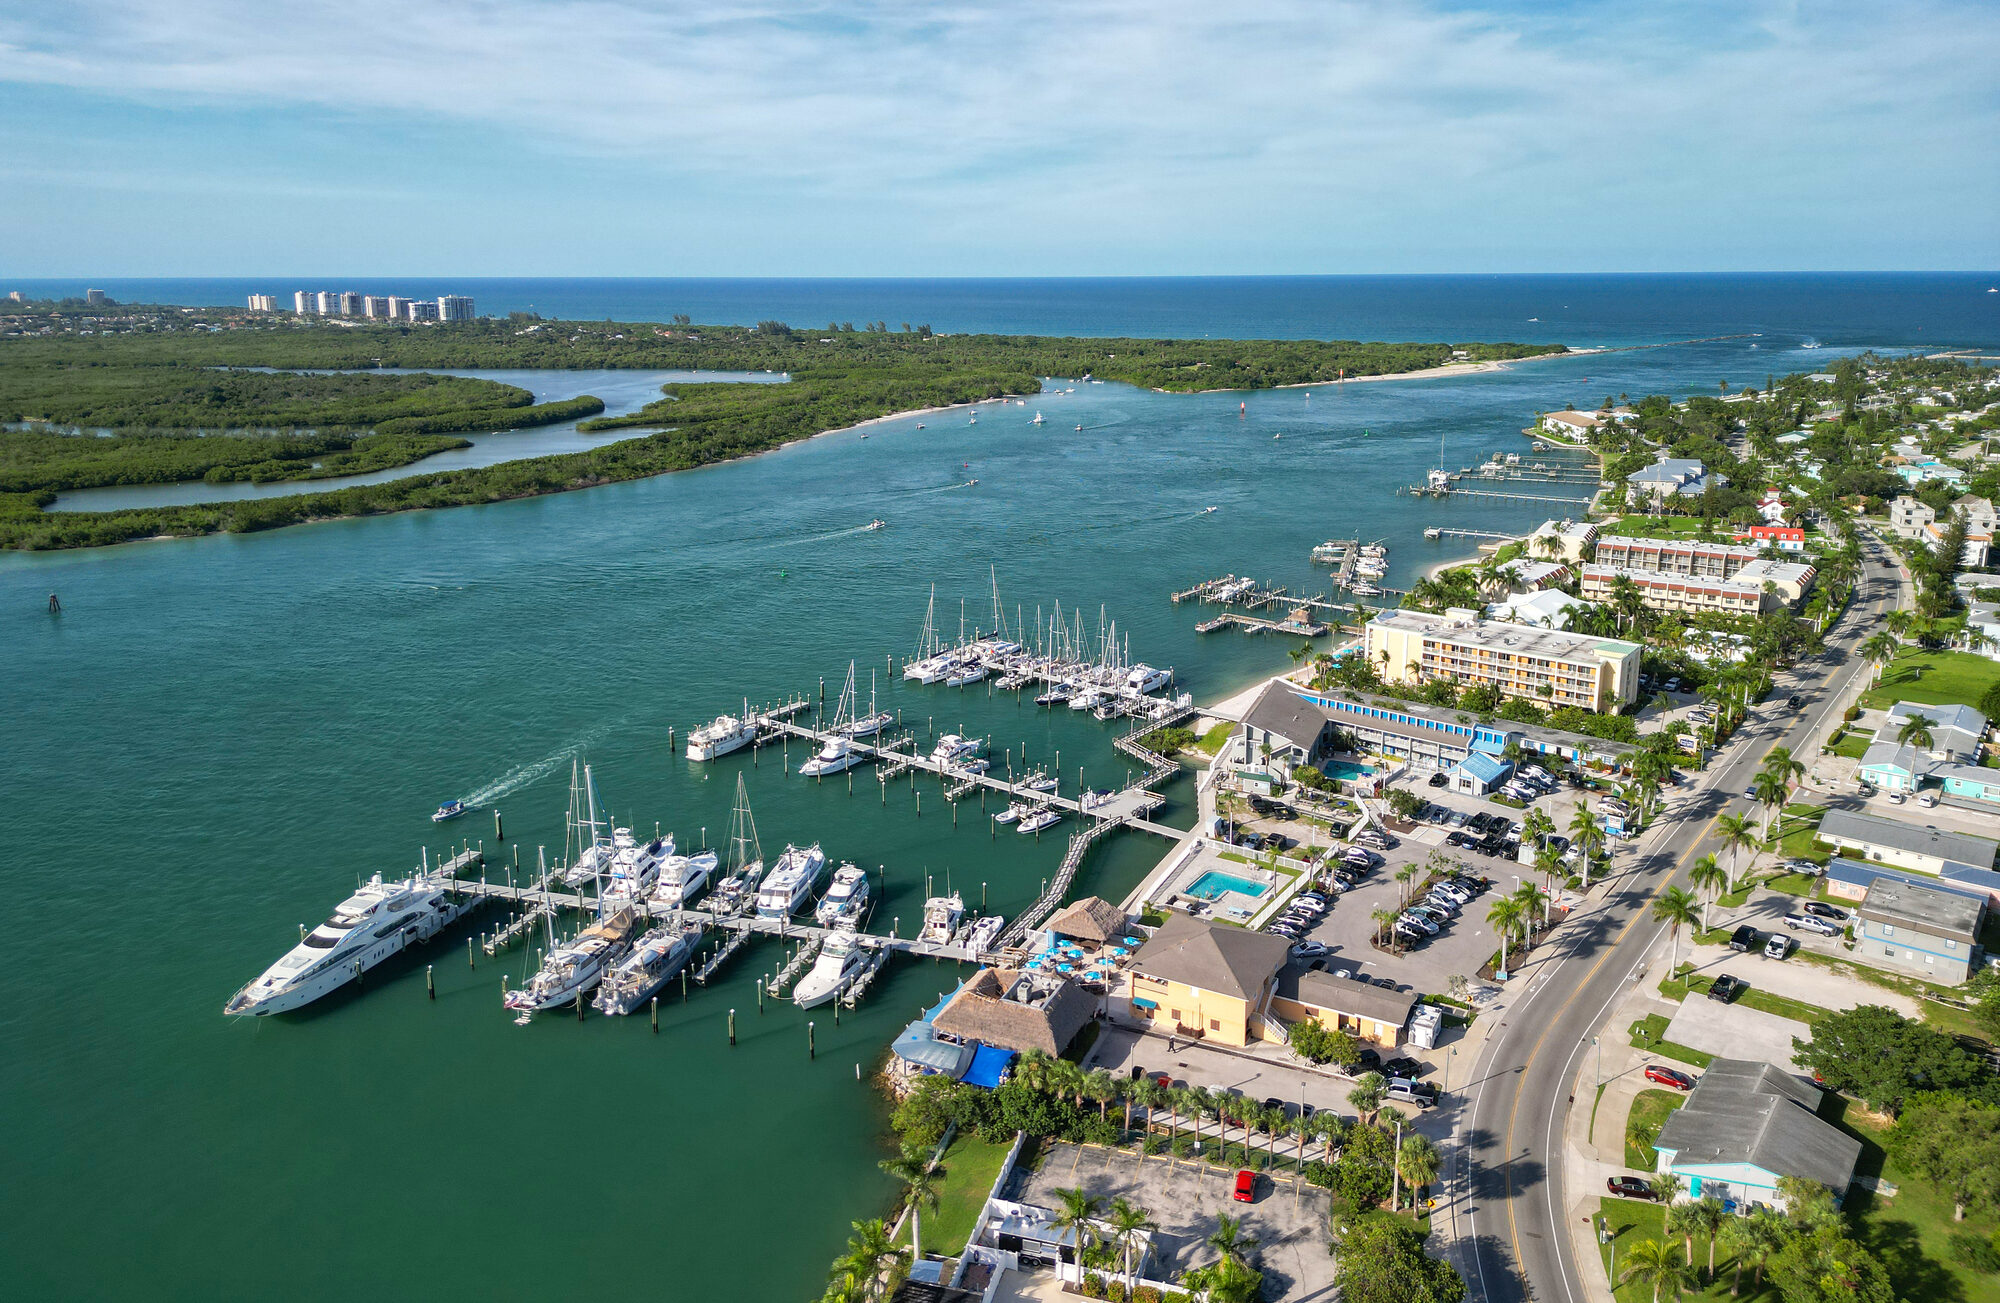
[(379, 920), (569, 970), (722, 735), (846, 899), (842, 961), (1045, 817), (738, 889), (654, 960), (981, 936), (791, 881), (682, 878), (941, 916), (449, 810)]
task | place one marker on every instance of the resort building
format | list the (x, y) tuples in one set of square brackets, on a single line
[(1548, 609), (454, 307), (1367, 1013), (1675, 556), (420, 309), (1581, 425), (1669, 478), (1921, 928), (94, 298), (1208, 981), (1784, 538), (1548, 666), (1573, 539), (1759, 586), (1527, 575), (1745, 1125), (1920, 848)]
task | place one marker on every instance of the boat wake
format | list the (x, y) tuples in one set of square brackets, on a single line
[(521, 775)]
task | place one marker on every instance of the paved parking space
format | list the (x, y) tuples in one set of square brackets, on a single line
[(1289, 1220), (1737, 1031), (1765, 910), (1271, 1072)]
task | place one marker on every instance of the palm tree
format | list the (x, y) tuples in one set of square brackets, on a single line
[(1032, 1068), (1383, 917), (1535, 825), (1103, 1087), (1916, 732), (859, 1270), (1587, 835), (1709, 879), (1755, 1240), (1772, 793), (1667, 1188), (1737, 835), (1706, 1216), (1505, 916), (1532, 898), (1127, 1221), (920, 1191), (1651, 1262), (1370, 1089), (1066, 1079), (1677, 908), (1784, 765), (1078, 1215), (1417, 1163), (1229, 1239), (1404, 877), (1274, 1122)]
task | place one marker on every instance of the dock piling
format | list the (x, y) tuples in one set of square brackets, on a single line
[(498, 834), (811, 1051), (430, 980), (470, 961), (656, 1015), (732, 1027)]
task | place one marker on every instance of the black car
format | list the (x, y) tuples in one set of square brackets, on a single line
[(1369, 1061), (1490, 844), (1411, 1068), (1461, 838), (1796, 702), (1744, 938), (1835, 913), (1726, 988), (1439, 779), (1510, 849), (1382, 982)]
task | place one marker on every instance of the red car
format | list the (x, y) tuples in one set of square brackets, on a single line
[(1246, 1186), (1669, 1077), (1629, 1187)]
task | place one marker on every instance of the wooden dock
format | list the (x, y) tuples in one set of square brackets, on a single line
[(1305, 628)]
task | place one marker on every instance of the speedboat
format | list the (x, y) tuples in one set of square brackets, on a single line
[(941, 916), (1045, 817), (634, 868), (791, 882), (379, 920), (1144, 678), (963, 673), (449, 810), (846, 900), (842, 961), (569, 970), (951, 748), (1205, 510), (1096, 797), (682, 878), (654, 960), (969, 765), (984, 934), (724, 734), (873, 525), (1013, 812), (839, 753), (1038, 781), (1054, 696)]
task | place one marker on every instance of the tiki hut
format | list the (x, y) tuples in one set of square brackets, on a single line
[(1090, 919), (1017, 1010)]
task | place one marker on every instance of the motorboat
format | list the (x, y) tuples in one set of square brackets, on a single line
[(449, 810), (984, 934), (1054, 696), (839, 753), (941, 916), (1013, 812), (1144, 678), (842, 961), (682, 878), (1112, 707), (569, 970), (634, 868), (846, 900), (1087, 699), (951, 747), (1046, 816), (790, 882), (1206, 511), (654, 960), (1038, 781), (969, 765), (379, 920), (722, 735), (874, 525), (1097, 797), (1037, 420)]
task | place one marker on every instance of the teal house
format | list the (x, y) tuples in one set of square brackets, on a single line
[(1746, 1124)]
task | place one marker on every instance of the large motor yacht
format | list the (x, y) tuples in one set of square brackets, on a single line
[(725, 733), (941, 917), (654, 960), (790, 882), (846, 901), (839, 753), (842, 961), (682, 879), (634, 868), (379, 920)]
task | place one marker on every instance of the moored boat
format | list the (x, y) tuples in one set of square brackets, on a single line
[(379, 920), (654, 959)]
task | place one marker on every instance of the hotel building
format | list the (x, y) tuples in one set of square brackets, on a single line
[(1547, 666)]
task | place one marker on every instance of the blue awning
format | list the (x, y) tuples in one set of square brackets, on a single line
[(989, 1064), (919, 1045), (1146, 1004)]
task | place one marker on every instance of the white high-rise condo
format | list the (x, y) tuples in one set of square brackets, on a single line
[(420, 309), (376, 306), (329, 303), (454, 307), (263, 303), (350, 305), (304, 303)]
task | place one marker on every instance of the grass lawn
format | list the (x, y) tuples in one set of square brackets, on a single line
[(1934, 678), (1649, 1110), (1646, 1035), (1633, 1220), (970, 1167), (1656, 526), (1852, 743), (1792, 884), (1909, 1231), (1212, 741), (1752, 998)]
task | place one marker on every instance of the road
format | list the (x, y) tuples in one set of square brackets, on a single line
[(1508, 1206)]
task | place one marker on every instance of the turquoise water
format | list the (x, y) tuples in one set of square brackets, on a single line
[(218, 735), (1212, 886), (1346, 769)]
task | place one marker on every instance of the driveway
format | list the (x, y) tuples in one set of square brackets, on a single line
[(1288, 1219), (1736, 1032)]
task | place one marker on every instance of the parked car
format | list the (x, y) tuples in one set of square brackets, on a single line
[(1411, 933), (1726, 988), (1464, 839), (1458, 818), (1382, 982), (1440, 814), (1743, 938), (1246, 1186), (1438, 779), (1807, 867), (1418, 921), (1824, 910), (1779, 946), (1309, 949), (1405, 1067), (1812, 923), (1666, 1076), (1628, 1187), (1439, 900), (1408, 1092)]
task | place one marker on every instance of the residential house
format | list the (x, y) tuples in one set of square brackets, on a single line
[(1910, 517), (1280, 732), (1670, 478), (1785, 538), (1921, 848), (1581, 425), (1922, 928), (1366, 1012), (1207, 980), (1745, 1125)]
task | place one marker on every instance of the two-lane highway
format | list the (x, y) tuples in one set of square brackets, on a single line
[(1508, 1205)]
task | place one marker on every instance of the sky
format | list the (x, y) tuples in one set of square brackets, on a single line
[(960, 137)]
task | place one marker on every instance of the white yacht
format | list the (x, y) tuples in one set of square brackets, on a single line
[(571, 969), (846, 901), (1087, 699), (983, 934), (941, 916), (723, 734), (951, 748), (969, 765), (1144, 678), (842, 961), (791, 882), (1014, 811), (634, 868), (1038, 781), (682, 878), (379, 920), (839, 753), (1045, 817), (735, 893), (654, 960), (963, 673)]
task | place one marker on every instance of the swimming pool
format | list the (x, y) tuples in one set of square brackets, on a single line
[(1346, 770), (1212, 885)]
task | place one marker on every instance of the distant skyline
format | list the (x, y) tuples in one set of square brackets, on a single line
[(907, 138)]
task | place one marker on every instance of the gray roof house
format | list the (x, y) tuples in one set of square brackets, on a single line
[(1922, 847), (1932, 931), (1285, 722), (1671, 477), (1747, 1124), (1955, 730)]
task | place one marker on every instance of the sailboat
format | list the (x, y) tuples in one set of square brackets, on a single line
[(571, 969), (874, 721), (586, 851), (929, 664), (738, 890)]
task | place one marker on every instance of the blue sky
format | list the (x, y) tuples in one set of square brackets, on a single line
[(1042, 137)]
